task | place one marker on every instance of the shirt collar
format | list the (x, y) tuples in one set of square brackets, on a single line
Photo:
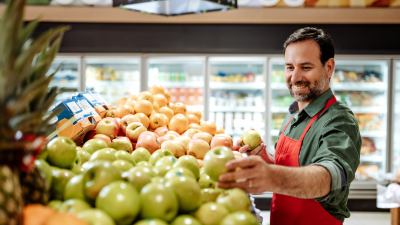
[(315, 106)]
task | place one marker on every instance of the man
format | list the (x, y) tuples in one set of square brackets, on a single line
[(318, 150)]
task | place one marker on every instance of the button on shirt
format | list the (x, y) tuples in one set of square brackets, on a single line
[(333, 142)]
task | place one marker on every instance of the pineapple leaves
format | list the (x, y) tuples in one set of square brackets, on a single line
[(27, 122), (26, 32)]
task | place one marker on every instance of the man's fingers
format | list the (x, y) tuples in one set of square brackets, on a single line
[(239, 142), (235, 176), (244, 148), (258, 150), (242, 163), (253, 186)]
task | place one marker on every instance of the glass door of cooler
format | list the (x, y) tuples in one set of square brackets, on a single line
[(280, 99), (113, 77), (237, 90), (183, 77), (67, 76), (363, 86), (396, 116)]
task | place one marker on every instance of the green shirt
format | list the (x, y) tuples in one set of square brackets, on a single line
[(334, 142)]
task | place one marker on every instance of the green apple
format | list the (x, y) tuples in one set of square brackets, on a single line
[(214, 161), (251, 138), (158, 180), (145, 164), (234, 200), (201, 170), (141, 154), (187, 191), (61, 152), (166, 160), (158, 202), (77, 169), (74, 206), (78, 148), (90, 164), (162, 169), (139, 176), (95, 217), (103, 154), (209, 195), (151, 222), (94, 145), (211, 213), (179, 171), (240, 218), (45, 168), (55, 204), (84, 155), (74, 188), (125, 156), (185, 220), (206, 182), (60, 179), (122, 165), (43, 153), (120, 200), (158, 155), (189, 162), (122, 143), (98, 176)]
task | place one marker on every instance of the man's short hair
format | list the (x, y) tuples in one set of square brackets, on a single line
[(320, 36)]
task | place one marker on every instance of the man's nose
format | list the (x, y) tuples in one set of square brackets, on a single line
[(296, 76)]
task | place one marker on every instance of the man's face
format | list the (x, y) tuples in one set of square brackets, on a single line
[(305, 75)]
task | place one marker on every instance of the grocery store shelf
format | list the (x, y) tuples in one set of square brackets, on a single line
[(273, 15), (279, 86), (236, 109), (108, 83), (275, 109), (274, 133), (373, 86), (195, 107), (237, 86), (371, 158), (179, 84), (373, 133), (65, 85), (368, 109)]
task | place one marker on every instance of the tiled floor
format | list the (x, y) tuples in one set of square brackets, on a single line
[(356, 218)]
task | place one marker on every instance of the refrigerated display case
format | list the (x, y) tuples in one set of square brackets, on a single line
[(363, 86), (67, 77), (113, 77), (396, 116), (237, 94), (182, 76)]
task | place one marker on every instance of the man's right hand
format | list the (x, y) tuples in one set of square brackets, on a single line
[(242, 149)]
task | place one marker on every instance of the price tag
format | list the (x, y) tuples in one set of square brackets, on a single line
[(74, 107)]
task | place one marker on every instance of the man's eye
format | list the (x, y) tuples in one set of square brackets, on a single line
[(289, 67), (307, 68)]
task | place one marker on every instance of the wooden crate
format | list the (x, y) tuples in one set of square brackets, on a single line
[(395, 216)]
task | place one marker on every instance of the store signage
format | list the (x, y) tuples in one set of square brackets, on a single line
[(175, 7), (319, 3)]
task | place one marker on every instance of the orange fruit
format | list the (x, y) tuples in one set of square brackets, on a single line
[(143, 119), (209, 127), (220, 130), (144, 106), (130, 103), (121, 101), (156, 107), (167, 111), (178, 123), (37, 214), (132, 97), (165, 118), (124, 110), (157, 120), (145, 95), (157, 89), (171, 105), (195, 112), (167, 96), (64, 219), (193, 119), (160, 99), (194, 126), (180, 108)]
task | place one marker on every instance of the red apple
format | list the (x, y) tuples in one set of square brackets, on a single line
[(191, 132), (146, 133), (175, 147), (128, 119), (107, 126), (203, 136), (200, 163), (198, 148), (122, 143), (161, 131), (134, 130), (173, 133), (148, 142), (89, 135), (163, 138), (221, 141), (103, 137)]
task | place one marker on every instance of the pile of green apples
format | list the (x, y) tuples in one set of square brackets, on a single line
[(103, 186)]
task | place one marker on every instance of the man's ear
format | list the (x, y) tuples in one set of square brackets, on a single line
[(329, 67)]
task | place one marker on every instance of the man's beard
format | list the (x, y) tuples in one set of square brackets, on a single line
[(314, 91)]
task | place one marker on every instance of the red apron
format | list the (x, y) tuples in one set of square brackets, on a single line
[(287, 210)]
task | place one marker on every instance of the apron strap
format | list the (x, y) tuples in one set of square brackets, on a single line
[(287, 124)]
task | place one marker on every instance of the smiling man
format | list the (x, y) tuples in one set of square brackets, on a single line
[(318, 150)]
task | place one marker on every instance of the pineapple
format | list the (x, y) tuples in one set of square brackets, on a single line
[(25, 99)]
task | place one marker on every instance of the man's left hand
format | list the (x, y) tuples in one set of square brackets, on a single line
[(254, 173)]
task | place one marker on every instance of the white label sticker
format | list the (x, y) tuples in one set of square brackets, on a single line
[(83, 104), (89, 97), (74, 107)]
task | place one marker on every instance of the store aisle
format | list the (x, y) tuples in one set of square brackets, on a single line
[(357, 218)]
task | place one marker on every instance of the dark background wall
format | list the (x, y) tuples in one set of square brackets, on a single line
[(219, 38)]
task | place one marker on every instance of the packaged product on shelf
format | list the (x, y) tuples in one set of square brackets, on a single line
[(352, 76), (367, 146), (369, 122), (76, 119), (278, 76), (97, 102), (367, 172), (228, 122), (356, 98), (94, 73)]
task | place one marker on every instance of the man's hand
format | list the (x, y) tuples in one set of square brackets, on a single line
[(254, 173), (257, 151)]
